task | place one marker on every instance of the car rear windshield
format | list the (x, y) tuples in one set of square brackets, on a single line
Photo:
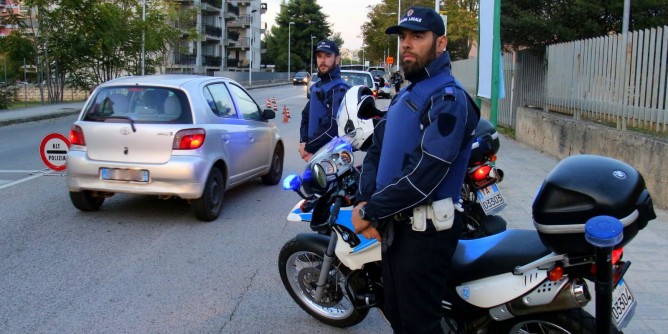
[(140, 104), (301, 74), (357, 79)]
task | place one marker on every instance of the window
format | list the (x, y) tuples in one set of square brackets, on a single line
[(140, 104), (247, 107), (219, 100)]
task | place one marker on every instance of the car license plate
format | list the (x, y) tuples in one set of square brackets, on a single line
[(623, 305), (490, 199), (118, 174)]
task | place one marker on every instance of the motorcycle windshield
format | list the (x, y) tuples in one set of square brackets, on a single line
[(337, 143)]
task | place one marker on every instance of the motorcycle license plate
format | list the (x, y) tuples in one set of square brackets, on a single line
[(623, 305), (490, 199)]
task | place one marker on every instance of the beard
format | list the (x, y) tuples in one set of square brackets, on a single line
[(414, 67), (323, 69)]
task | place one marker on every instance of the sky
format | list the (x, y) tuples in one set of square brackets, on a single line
[(344, 16)]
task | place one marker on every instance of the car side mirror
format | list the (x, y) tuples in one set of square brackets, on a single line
[(268, 114)]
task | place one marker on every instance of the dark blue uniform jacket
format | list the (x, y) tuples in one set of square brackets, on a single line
[(415, 159)]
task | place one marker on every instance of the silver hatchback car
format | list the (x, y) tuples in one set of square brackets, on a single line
[(171, 135)]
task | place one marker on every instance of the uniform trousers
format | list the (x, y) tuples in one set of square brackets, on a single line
[(414, 269)]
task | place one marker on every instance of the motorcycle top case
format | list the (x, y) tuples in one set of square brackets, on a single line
[(581, 187), (486, 143)]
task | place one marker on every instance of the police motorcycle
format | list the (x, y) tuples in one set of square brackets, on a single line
[(516, 281)]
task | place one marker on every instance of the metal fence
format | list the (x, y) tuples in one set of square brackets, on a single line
[(613, 79)]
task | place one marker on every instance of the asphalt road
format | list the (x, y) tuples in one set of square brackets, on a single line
[(141, 264)]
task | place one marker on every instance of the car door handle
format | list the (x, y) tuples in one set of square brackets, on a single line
[(226, 139)]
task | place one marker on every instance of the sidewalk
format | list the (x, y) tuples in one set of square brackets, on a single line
[(35, 113)]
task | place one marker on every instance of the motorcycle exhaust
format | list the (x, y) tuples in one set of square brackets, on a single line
[(574, 294)]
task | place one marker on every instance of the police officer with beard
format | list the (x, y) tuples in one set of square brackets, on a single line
[(318, 125), (412, 175)]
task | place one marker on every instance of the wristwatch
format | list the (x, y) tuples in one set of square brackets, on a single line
[(365, 216)]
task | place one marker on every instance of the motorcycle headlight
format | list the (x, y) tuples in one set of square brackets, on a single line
[(319, 176)]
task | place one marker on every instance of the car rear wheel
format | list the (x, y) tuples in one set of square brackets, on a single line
[(86, 200), (276, 170), (208, 207)]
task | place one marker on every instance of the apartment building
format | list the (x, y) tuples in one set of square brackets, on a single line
[(6, 8), (229, 40)]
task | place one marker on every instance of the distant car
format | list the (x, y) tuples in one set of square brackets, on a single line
[(312, 81), (353, 67), (301, 78), (353, 78), (364, 78), (186, 136)]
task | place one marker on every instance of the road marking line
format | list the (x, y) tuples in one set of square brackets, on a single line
[(28, 178)]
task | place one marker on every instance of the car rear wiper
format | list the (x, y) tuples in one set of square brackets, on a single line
[(132, 122)]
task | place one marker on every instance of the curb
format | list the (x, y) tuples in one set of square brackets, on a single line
[(62, 113)]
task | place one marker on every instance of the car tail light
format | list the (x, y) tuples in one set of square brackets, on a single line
[(189, 139), (77, 136), (480, 173)]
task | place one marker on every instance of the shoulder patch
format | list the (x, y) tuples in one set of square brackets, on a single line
[(450, 93)]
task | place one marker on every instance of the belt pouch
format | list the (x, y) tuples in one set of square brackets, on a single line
[(442, 214), (419, 219)]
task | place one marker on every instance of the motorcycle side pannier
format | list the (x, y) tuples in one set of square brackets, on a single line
[(486, 143), (581, 187)]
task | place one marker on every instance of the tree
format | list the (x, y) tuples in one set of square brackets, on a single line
[(462, 28), (308, 21), (561, 21)]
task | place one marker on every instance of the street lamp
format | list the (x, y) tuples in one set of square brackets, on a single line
[(312, 37), (250, 50), (143, 37), (398, 41), (289, 37)]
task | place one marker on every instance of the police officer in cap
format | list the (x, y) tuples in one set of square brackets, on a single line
[(318, 125), (412, 175)]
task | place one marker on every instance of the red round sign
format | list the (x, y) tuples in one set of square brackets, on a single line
[(53, 150)]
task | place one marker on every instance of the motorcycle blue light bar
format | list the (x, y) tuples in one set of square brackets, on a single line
[(292, 182), (344, 145)]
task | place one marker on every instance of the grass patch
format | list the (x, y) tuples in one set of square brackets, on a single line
[(21, 105), (506, 131)]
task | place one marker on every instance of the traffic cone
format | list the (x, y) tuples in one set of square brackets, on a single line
[(268, 104), (285, 114), (288, 111), (273, 100), (275, 107)]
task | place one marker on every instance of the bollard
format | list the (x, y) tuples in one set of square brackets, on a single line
[(604, 232)]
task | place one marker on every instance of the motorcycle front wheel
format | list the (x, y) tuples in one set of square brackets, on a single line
[(576, 321), (299, 264)]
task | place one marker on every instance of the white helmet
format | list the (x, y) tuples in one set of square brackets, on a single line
[(357, 130)]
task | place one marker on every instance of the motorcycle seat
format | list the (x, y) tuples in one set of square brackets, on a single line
[(494, 255)]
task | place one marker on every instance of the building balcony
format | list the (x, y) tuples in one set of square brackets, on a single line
[(242, 43), (242, 21), (213, 31), (185, 59), (233, 35), (214, 3), (232, 8), (212, 61)]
